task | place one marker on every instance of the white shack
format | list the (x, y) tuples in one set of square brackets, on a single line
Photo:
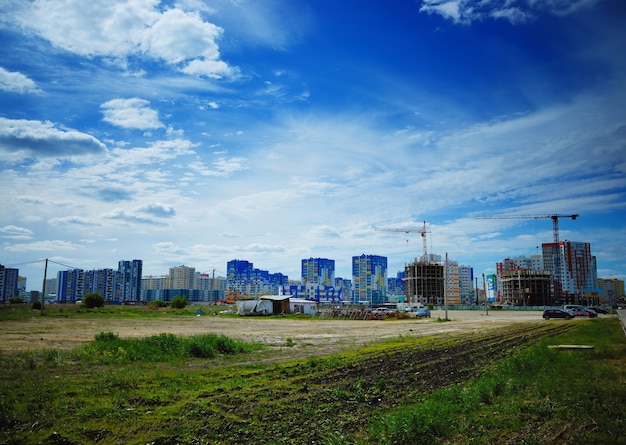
[(276, 304)]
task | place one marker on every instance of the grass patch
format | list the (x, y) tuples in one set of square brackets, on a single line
[(539, 395), (501, 387), (109, 348), (22, 311)]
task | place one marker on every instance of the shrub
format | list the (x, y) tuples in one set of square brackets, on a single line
[(179, 302), (36, 305), (106, 336), (92, 300), (16, 300), (157, 304)]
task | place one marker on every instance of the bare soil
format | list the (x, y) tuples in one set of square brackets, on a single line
[(301, 336)]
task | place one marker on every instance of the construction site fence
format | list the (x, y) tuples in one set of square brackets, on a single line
[(495, 308)]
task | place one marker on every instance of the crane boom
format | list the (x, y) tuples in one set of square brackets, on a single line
[(422, 231), (554, 217)]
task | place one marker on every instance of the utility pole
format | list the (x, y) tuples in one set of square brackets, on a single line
[(485, 291), (213, 289), (445, 288), (476, 290), (43, 286)]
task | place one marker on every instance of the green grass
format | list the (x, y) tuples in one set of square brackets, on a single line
[(21, 311), (163, 389), (537, 396), (109, 348)]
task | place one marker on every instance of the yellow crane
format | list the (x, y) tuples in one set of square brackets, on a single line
[(422, 232)]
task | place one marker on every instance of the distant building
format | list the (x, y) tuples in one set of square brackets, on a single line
[(612, 289), (452, 277), (9, 279), (578, 270), (466, 285), (319, 271), (245, 281), (395, 286), (369, 276), (524, 287), (182, 277), (131, 279), (424, 283), (115, 286)]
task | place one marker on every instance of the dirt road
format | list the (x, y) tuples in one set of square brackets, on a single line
[(311, 337)]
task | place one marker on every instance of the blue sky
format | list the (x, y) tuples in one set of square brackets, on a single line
[(197, 132)]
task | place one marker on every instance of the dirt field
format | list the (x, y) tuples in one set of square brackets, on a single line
[(310, 337)]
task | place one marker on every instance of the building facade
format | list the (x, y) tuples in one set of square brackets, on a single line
[(524, 287), (243, 280), (8, 283), (318, 271), (369, 275), (466, 285), (424, 283), (612, 290), (577, 271), (115, 286)]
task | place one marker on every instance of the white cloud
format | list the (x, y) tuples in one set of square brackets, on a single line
[(14, 232), (177, 36), (15, 82), (21, 138), (73, 221), (120, 29), (157, 152), (131, 113), (214, 69), (515, 11), (220, 167), (150, 214), (44, 246)]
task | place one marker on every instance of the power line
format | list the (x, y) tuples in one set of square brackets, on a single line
[(41, 261), (25, 263)]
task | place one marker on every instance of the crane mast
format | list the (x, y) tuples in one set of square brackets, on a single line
[(556, 250)]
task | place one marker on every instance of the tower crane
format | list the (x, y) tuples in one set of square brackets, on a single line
[(422, 232), (555, 234)]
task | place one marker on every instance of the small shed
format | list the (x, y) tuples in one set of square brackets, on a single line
[(254, 307), (302, 306), (280, 303), (276, 304)]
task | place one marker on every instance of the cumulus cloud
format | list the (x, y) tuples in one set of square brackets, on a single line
[(158, 210), (45, 246), (220, 167), (22, 138), (515, 11), (110, 194), (15, 232), (131, 113), (120, 29), (15, 82), (73, 221), (150, 214)]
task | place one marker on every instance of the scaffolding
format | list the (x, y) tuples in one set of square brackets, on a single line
[(526, 287), (424, 283)]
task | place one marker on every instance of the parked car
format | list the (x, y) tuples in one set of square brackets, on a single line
[(588, 312), (556, 313), (599, 309), (423, 312)]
